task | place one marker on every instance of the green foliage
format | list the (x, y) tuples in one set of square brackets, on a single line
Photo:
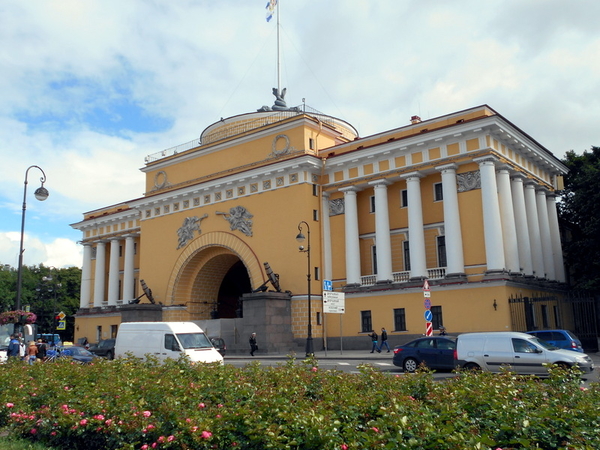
[(128, 404), (46, 290), (579, 210)]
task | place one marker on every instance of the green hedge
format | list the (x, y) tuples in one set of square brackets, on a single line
[(128, 404)]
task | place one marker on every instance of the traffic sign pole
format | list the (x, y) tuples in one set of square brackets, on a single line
[(428, 314)]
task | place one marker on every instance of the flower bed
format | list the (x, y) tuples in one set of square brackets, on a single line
[(17, 317), (127, 404)]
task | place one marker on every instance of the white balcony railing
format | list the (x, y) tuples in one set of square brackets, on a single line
[(436, 273)]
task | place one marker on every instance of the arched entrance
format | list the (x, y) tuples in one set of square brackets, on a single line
[(211, 275)]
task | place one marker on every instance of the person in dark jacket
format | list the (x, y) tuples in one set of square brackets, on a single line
[(13, 346), (374, 339), (383, 341), (253, 344)]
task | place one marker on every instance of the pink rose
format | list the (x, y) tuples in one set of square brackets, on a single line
[(83, 422), (206, 434), (147, 413), (314, 369), (344, 447), (145, 447), (201, 405), (10, 405)]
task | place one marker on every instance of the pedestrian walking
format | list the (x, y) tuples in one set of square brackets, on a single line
[(253, 344), (42, 348), (32, 352), (383, 342), (13, 347), (374, 339)]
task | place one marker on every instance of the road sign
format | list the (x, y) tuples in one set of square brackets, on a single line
[(429, 329), (61, 315), (426, 294), (334, 302), (62, 325), (428, 316), (427, 303), (327, 285), (425, 285)]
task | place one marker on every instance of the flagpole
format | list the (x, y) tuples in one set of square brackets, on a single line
[(278, 52)]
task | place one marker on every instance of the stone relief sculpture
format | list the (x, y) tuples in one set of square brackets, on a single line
[(468, 181), (186, 231), (280, 104), (239, 219), (336, 207)]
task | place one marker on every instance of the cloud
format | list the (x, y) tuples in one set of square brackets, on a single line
[(58, 252)]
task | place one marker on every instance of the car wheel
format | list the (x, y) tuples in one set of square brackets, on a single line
[(109, 355), (410, 365), (472, 366)]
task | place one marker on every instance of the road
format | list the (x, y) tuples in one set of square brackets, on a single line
[(350, 364)]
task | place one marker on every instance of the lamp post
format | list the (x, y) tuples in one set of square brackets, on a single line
[(41, 194), (300, 238)]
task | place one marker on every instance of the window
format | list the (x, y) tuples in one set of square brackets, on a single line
[(399, 319), (372, 203), (315, 190), (545, 316), (403, 198), (438, 192), (311, 143), (98, 333), (113, 331), (135, 248), (523, 346), (557, 317), (120, 251), (315, 215), (317, 274), (374, 259), (437, 320), (406, 252), (441, 251), (319, 318), (365, 321), (171, 343), (94, 252)]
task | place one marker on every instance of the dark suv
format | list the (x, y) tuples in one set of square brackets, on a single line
[(104, 348)]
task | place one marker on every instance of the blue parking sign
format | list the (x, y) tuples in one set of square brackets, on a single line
[(327, 285)]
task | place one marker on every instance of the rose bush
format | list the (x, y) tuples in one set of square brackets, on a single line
[(17, 316), (129, 404)]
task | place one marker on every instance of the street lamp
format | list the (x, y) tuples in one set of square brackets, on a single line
[(300, 238), (41, 194)]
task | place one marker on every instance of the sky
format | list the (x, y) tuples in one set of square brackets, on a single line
[(89, 88)]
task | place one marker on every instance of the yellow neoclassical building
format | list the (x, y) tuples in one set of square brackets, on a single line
[(465, 202)]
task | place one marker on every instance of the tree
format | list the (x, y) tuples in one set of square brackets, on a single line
[(46, 291), (579, 209)]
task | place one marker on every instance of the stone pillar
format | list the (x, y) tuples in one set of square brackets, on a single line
[(557, 252), (128, 270), (383, 240), (352, 239), (416, 234), (454, 246), (86, 277), (524, 245), (492, 227), (113, 272), (100, 274), (542, 210), (507, 215), (533, 226)]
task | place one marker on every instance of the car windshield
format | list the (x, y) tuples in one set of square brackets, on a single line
[(544, 344), (194, 340)]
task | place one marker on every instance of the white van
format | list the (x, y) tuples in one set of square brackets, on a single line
[(520, 352), (165, 340)]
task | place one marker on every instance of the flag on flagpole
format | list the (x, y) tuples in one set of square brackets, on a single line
[(271, 4)]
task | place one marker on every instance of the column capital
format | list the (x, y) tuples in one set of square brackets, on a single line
[(518, 176), (487, 159), (349, 189), (379, 183), (503, 167), (407, 176), (447, 167)]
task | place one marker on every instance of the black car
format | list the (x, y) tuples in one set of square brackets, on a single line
[(73, 353), (436, 352), (219, 344), (104, 348)]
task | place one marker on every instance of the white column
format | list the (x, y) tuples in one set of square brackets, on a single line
[(99, 274), (416, 234), (518, 197), (542, 210), (352, 240), (533, 225), (326, 222), (128, 269), (507, 215), (383, 240), (113, 273), (557, 252), (454, 246), (86, 277), (492, 227)]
